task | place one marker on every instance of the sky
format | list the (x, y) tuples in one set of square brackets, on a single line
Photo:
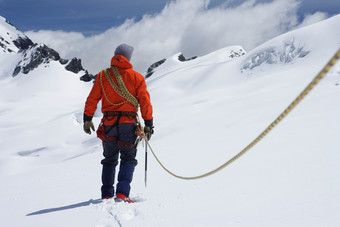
[(95, 16), (158, 28)]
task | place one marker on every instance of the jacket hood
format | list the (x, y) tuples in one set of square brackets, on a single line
[(121, 62)]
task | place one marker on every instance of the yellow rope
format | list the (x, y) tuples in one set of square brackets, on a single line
[(303, 94), (124, 92), (121, 89), (114, 87)]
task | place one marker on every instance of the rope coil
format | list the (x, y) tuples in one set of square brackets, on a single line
[(120, 89), (298, 99)]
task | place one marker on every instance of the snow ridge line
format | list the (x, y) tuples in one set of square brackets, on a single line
[(291, 106)]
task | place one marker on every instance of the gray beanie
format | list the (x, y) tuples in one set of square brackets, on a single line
[(125, 50)]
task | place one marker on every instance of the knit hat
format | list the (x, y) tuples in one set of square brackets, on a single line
[(125, 50)]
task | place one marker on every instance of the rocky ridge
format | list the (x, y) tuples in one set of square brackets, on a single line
[(30, 55)]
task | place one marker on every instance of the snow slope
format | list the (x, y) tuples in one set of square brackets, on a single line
[(206, 111)]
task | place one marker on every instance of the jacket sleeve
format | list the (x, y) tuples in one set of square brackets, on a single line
[(93, 99), (143, 97)]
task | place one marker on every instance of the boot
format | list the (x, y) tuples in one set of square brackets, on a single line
[(121, 198)]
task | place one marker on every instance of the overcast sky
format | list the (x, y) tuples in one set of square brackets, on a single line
[(91, 29)]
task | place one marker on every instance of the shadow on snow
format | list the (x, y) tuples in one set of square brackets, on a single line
[(73, 206)]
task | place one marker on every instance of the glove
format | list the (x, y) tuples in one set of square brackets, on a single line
[(148, 129), (88, 125)]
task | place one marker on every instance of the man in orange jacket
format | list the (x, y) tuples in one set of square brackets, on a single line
[(119, 121)]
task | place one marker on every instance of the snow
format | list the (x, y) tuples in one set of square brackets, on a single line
[(9, 33), (206, 111), (10, 40)]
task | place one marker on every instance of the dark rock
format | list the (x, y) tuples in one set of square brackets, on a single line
[(87, 77), (63, 61), (17, 70), (23, 43), (3, 46), (34, 57), (47, 53), (152, 67), (182, 58), (236, 54), (75, 65)]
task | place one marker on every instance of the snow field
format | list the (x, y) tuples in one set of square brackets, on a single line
[(206, 111)]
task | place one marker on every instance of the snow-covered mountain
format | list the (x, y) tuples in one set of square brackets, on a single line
[(207, 109), (18, 54)]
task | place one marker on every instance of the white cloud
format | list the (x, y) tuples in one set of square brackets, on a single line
[(313, 18), (187, 26)]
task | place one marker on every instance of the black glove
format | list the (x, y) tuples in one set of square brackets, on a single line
[(148, 129)]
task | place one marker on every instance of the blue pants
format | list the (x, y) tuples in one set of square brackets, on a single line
[(124, 132)]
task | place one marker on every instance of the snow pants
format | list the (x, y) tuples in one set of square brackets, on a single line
[(124, 132)]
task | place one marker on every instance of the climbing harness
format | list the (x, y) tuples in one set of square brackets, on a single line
[(303, 94), (120, 113), (103, 134)]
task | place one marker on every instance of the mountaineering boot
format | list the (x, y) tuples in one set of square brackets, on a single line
[(122, 198), (108, 175)]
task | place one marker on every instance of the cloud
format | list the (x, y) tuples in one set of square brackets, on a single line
[(187, 26), (312, 18)]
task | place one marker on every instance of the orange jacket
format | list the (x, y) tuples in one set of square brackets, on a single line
[(134, 82)]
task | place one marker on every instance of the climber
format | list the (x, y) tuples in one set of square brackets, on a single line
[(118, 125)]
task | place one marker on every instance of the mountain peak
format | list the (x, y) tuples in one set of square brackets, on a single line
[(35, 56), (22, 55), (11, 39)]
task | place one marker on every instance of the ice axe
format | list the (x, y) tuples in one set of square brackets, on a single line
[(140, 136)]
